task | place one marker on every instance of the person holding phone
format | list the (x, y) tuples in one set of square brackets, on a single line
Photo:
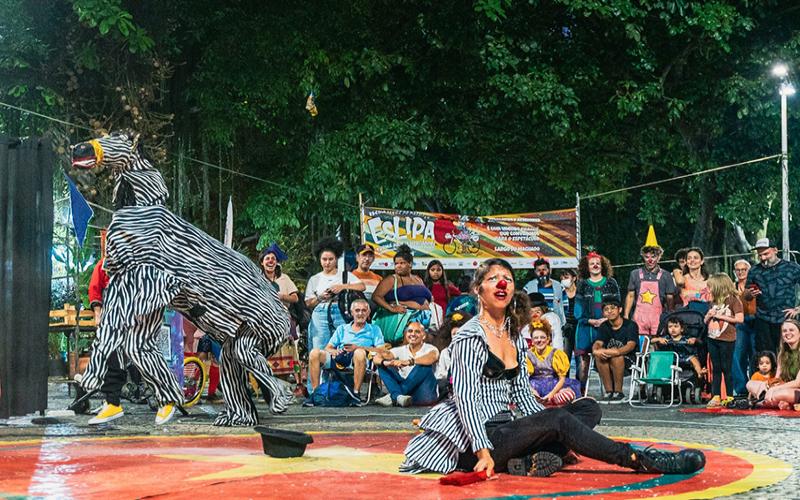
[(773, 284)]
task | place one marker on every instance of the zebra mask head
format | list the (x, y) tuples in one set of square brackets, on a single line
[(136, 181), (119, 151)]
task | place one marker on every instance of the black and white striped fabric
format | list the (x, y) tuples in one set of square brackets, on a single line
[(458, 425), (156, 259)]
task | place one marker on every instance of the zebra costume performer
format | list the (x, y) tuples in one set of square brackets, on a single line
[(155, 259)]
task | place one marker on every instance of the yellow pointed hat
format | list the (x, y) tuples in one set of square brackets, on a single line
[(651, 243)]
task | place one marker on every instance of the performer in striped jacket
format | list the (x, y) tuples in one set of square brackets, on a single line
[(476, 429), (155, 259)]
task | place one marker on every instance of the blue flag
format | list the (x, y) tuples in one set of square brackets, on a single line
[(81, 211)]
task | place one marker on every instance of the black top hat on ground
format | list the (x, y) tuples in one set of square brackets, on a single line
[(283, 444)]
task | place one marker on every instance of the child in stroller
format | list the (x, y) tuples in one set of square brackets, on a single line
[(682, 331)]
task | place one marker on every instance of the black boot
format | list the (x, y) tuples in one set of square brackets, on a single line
[(665, 462), (539, 464)]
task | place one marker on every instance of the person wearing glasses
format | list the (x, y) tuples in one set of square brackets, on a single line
[(407, 370), (745, 348), (475, 430)]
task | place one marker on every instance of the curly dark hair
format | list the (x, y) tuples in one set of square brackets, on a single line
[(329, 244), (404, 252), (605, 267)]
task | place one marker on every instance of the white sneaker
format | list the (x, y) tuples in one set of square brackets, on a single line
[(78, 377), (385, 400), (404, 401)]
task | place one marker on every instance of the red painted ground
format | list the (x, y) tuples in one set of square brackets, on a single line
[(750, 413), (335, 466)]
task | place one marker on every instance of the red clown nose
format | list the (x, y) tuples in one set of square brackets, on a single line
[(502, 284)]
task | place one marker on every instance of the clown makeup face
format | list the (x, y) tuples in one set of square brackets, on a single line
[(650, 260), (496, 289), (595, 267), (269, 262), (539, 340)]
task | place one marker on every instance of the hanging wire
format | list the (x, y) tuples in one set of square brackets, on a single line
[(685, 176), (201, 162)]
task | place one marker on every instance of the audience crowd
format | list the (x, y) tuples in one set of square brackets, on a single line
[(735, 339)]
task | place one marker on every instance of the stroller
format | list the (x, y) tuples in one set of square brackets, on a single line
[(691, 388)]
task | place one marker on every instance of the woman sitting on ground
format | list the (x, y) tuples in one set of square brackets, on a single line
[(548, 368), (784, 393), (539, 310), (402, 297), (474, 430), (407, 371)]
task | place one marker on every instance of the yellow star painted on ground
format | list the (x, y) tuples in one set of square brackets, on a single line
[(339, 458), (647, 297)]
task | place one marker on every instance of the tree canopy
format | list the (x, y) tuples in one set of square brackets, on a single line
[(493, 106)]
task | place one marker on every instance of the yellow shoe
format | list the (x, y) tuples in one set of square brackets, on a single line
[(165, 414), (714, 403), (107, 413)]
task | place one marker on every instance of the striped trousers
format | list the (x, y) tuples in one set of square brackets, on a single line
[(248, 352), (140, 294)]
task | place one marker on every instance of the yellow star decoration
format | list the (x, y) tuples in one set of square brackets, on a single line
[(647, 297), (339, 458)]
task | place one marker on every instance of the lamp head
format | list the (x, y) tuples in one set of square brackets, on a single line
[(780, 70)]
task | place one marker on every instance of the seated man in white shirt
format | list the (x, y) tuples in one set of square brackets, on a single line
[(348, 347), (407, 370)]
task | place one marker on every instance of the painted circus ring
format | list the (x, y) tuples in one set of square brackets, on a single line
[(336, 465)]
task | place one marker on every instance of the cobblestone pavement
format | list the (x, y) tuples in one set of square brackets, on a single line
[(776, 437)]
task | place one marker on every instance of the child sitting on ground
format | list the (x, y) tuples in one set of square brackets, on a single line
[(684, 346), (539, 310), (548, 368), (767, 368)]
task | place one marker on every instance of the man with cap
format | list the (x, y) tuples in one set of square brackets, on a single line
[(650, 288), (365, 256), (773, 283), (614, 349)]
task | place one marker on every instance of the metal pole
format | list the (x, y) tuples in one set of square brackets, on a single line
[(784, 176), (578, 225)]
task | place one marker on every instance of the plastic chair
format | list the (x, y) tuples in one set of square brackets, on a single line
[(644, 346), (661, 370)]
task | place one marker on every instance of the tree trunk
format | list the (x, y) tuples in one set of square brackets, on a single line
[(709, 229)]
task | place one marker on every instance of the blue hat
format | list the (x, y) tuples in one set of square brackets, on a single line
[(274, 249)]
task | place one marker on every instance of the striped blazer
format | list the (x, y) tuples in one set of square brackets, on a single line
[(459, 424)]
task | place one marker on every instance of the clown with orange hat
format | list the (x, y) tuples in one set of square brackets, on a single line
[(650, 288)]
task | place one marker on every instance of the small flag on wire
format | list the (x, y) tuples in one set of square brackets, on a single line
[(81, 211), (228, 241), (311, 104)]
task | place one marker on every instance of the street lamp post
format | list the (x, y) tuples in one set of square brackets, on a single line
[(786, 89)]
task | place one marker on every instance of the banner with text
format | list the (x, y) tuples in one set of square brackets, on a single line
[(464, 241)]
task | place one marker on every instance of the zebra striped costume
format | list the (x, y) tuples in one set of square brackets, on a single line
[(457, 425), (155, 259)]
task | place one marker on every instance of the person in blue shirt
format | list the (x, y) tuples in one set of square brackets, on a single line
[(348, 347)]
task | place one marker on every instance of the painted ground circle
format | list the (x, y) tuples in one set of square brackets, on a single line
[(352, 465)]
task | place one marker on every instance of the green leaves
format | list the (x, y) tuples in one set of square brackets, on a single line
[(109, 17)]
